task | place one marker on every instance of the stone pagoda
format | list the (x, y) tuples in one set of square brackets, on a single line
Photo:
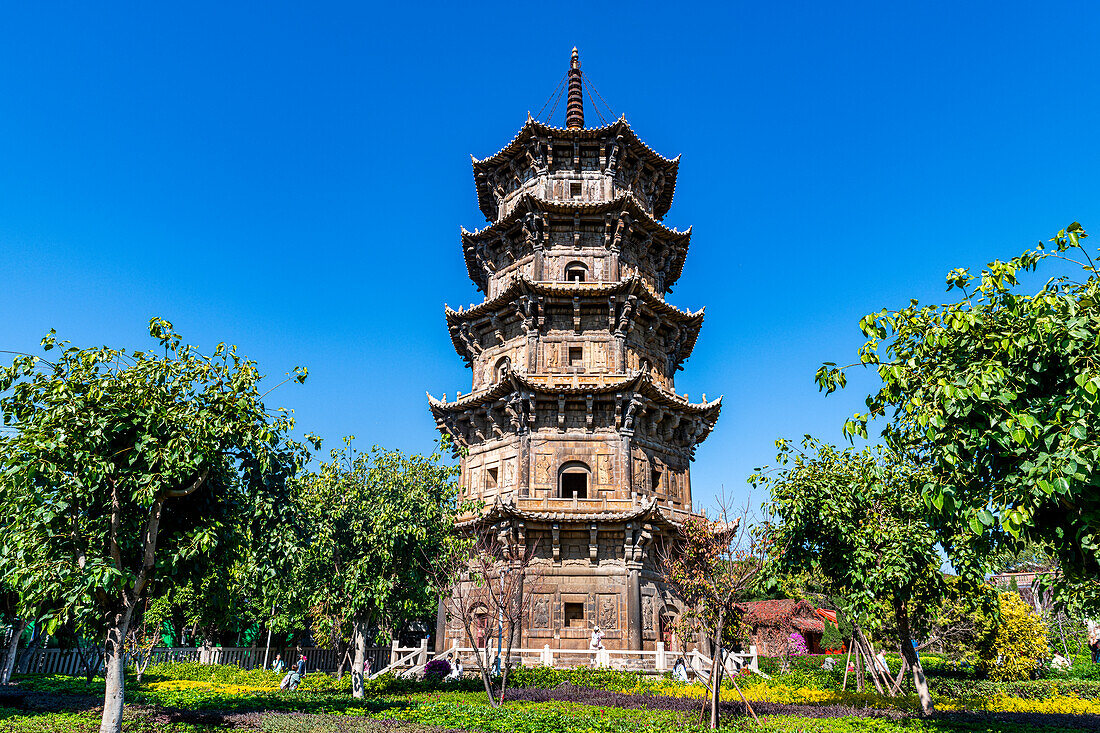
[(575, 437)]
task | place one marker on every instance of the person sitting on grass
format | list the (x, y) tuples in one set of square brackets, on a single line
[(294, 677), (278, 665)]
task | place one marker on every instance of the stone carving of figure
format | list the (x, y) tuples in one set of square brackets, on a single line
[(541, 614)]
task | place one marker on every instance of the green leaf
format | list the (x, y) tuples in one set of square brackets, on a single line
[(976, 526)]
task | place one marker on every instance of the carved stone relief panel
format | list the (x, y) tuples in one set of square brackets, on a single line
[(603, 470), (510, 472), (647, 613), (609, 611), (641, 473), (540, 611), (599, 356), (542, 468), (553, 352)]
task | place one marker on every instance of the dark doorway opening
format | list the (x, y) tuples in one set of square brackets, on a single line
[(574, 484)]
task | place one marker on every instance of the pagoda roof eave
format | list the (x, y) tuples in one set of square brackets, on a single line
[(515, 382), (585, 133), (633, 285), (529, 202), (648, 511)]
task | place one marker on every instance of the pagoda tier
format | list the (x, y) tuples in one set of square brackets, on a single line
[(586, 164), (631, 405), (540, 326), (595, 241)]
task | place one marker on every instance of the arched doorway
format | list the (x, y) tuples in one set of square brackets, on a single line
[(576, 272), (573, 479)]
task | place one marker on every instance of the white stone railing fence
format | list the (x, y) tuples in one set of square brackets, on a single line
[(67, 661), (401, 660), (657, 660)]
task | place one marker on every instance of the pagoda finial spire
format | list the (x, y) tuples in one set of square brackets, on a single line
[(574, 108)]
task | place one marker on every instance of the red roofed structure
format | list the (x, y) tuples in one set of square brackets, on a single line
[(771, 624)]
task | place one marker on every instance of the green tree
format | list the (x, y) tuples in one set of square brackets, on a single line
[(1000, 392), (122, 463), (857, 518), (371, 518)]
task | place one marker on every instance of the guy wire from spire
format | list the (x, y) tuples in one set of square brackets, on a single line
[(588, 82), (553, 94), (603, 122), (550, 117)]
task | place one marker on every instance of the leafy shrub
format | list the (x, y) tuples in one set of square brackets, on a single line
[(797, 645), (604, 679), (1018, 644), (223, 673)]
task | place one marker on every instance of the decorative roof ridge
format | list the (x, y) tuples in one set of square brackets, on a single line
[(634, 284), (655, 391), (508, 508), (515, 381), (472, 398), (528, 198), (584, 132), (632, 379)]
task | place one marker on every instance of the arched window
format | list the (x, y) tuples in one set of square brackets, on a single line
[(573, 480), (501, 369), (576, 272)]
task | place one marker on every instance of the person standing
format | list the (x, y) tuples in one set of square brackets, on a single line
[(597, 639)]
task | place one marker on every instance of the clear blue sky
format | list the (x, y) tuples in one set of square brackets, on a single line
[(292, 178)]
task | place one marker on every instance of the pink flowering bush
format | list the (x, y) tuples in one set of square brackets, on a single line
[(797, 645)]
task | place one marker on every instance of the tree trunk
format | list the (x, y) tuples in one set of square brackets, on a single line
[(901, 612), (505, 663), (89, 671), (481, 662), (719, 666), (359, 638), (13, 649), (27, 657), (114, 649)]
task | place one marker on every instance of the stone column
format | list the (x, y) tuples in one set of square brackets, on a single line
[(633, 606), (441, 627), (524, 478)]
